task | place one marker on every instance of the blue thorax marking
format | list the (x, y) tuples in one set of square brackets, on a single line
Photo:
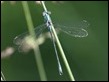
[(47, 19)]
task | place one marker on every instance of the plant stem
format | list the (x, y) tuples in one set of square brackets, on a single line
[(36, 49), (28, 18), (2, 77), (60, 47)]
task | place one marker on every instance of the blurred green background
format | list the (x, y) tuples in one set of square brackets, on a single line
[(88, 57)]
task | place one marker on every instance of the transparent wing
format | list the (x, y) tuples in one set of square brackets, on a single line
[(77, 30), (18, 40)]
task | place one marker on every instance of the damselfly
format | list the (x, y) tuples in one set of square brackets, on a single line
[(76, 31)]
